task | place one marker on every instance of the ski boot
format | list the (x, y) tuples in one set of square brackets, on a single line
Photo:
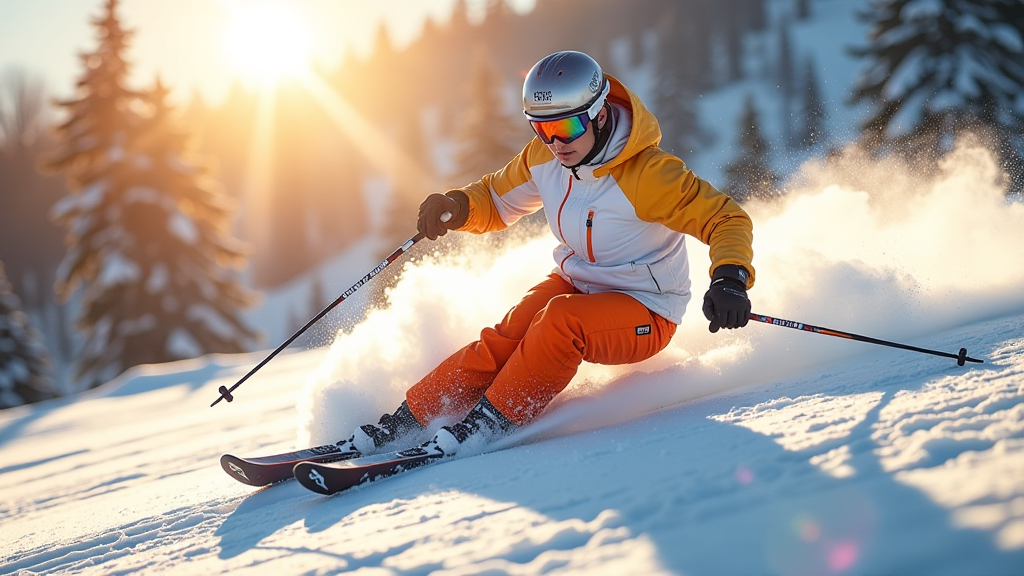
[(484, 423), (370, 438)]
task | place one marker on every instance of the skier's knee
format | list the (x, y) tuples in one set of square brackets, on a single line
[(558, 312)]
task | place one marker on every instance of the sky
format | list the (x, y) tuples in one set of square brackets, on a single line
[(185, 41)]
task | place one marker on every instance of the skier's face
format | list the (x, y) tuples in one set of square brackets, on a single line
[(570, 154)]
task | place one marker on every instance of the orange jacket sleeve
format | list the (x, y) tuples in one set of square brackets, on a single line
[(664, 190), (512, 186)]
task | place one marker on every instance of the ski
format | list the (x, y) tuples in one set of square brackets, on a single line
[(265, 470), (331, 478)]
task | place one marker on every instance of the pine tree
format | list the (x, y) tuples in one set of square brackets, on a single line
[(677, 79), (183, 245), (750, 175), (99, 122), (757, 14), (384, 65), (31, 246), (803, 9), (814, 115), (146, 226), (786, 80), (92, 142), (22, 104), (936, 69), (459, 21), (734, 33), (24, 363), (487, 138)]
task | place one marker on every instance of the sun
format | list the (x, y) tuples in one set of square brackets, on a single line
[(266, 41)]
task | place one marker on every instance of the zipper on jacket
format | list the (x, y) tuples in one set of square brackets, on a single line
[(560, 206), (590, 236), (656, 284), (561, 265)]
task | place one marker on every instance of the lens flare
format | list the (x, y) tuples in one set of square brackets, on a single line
[(810, 531), (842, 555), (822, 534), (744, 476)]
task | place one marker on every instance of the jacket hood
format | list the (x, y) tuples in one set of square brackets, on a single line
[(645, 131)]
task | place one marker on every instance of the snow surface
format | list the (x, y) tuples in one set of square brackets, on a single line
[(759, 451)]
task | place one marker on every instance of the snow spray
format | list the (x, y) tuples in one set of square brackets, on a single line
[(860, 243)]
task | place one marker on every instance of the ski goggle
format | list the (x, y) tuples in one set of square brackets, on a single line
[(564, 129), (572, 125)]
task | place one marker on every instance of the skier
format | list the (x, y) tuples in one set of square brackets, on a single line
[(619, 207)]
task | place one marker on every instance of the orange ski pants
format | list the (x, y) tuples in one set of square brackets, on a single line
[(525, 361)]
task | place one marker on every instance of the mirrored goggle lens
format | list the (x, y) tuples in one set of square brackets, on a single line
[(564, 129)]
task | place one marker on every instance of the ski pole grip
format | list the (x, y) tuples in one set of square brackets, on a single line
[(446, 216)]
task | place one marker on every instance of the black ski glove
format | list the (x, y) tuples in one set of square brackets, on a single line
[(454, 202), (726, 304)]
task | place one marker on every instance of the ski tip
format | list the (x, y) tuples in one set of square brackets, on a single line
[(308, 474), (234, 467)]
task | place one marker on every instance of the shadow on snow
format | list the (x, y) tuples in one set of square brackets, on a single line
[(719, 498)]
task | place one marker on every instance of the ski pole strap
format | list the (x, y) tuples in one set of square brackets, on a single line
[(961, 358)]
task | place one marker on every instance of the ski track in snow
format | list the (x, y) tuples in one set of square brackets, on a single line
[(885, 462)]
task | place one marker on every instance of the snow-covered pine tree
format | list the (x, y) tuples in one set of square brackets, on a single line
[(100, 122), (677, 80), (936, 68), (179, 220), (25, 367), (146, 230), (750, 176), (487, 137), (813, 114)]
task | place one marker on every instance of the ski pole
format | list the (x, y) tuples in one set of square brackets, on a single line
[(225, 392), (960, 358)]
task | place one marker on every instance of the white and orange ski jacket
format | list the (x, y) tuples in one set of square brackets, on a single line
[(621, 223)]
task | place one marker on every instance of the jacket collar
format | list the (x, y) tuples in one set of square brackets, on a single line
[(644, 131)]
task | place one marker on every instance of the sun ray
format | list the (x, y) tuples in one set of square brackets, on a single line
[(376, 148), (259, 173)]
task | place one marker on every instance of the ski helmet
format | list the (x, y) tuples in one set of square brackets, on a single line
[(564, 83)]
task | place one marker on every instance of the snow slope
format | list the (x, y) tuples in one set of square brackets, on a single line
[(887, 463), (760, 451)]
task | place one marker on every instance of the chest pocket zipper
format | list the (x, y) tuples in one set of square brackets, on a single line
[(590, 237)]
